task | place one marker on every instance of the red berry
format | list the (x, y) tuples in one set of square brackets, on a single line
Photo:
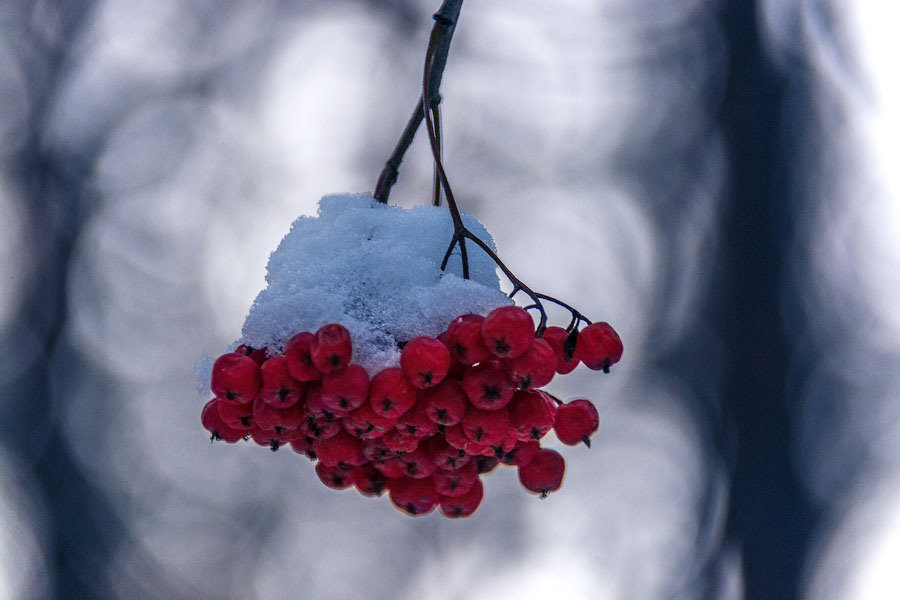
[(465, 342), (486, 464), (237, 416), (376, 450), (544, 472), (446, 403), (415, 422), (425, 362), (531, 414), (500, 449), (456, 437), (414, 496), (304, 445), (345, 389), (331, 349), (315, 404), (271, 438), (390, 394), (299, 359), (522, 454), (556, 337), (267, 416), (457, 368), (488, 386), (391, 469), (398, 442), (463, 506), (508, 331), (278, 387), (319, 427), (369, 480), (486, 426), (598, 346), (213, 423), (535, 368), (446, 456), (418, 463), (235, 378), (366, 424), (458, 482), (260, 355), (576, 421), (340, 449), (337, 478)]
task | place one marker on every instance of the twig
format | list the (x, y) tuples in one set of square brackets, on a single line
[(445, 22)]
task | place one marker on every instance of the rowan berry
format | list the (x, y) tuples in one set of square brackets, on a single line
[(446, 456), (391, 469), (458, 482), (425, 362), (456, 436), (345, 389), (486, 464), (576, 421), (535, 368), (259, 355), (445, 404), (304, 445), (369, 480), (267, 416), (465, 342), (486, 426), (531, 414), (398, 442), (521, 454), (598, 346), (340, 449), (390, 394), (366, 424), (563, 345), (337, 478), (271, 438), (299, 359), (488, 386), (319, 426), (416, 423), (331, 349), (463, 506), (235, 378), (237, 416), (278, 387), (414, 496), (456, 369), (375, 450), (213, 423), (418, 463), (543, 473), (508, 331)]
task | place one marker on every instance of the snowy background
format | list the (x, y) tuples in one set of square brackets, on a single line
[(716, 179)]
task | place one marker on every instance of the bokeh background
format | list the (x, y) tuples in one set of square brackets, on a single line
[(716, 179)]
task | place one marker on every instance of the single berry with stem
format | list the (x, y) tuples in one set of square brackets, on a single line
[(543, 473), (576, 421), (598, 346)]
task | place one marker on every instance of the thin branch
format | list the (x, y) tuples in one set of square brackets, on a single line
[(445, 22)]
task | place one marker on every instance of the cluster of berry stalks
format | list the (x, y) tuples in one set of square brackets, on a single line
[(458, 405)]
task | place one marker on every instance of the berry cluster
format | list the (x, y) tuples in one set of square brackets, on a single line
[(456, 407)]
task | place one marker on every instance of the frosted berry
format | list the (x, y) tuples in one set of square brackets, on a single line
[(486, 426), (563, 345), (235, 378), (465, 342), (340, 449), (598, 346), (425, 362), (531, 414), (535, 368), (278, 387), (331, 349), (299, 359), (236, 416), (446, 403), (543, 473), (414, 496), (390, 394), (488, 386), (462, 506), (576, 421), (345, 389), (508, 331), (337, 478), (213, 423)]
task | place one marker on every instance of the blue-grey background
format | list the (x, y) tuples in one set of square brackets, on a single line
[(717, 179)]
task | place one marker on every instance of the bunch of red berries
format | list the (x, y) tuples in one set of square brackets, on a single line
[(456, 407)]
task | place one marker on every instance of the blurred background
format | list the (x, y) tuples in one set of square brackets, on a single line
[(716, 179)]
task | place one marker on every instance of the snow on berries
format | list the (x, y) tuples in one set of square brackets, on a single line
[(396, 375)]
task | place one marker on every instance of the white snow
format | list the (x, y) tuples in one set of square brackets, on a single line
[(375, 269)]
